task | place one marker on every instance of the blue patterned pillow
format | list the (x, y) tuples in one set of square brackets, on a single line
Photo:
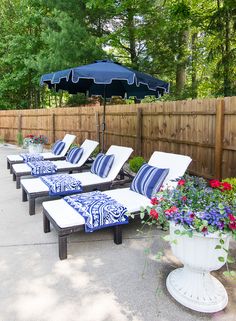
[(102, 164), (74, 155), (149, 180), (58, 147)]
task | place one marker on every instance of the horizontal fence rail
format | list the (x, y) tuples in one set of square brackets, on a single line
[(203, 129)]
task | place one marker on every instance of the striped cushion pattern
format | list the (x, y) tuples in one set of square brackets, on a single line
[(102, 164), (149, 180), (74, 155), (58, 147)]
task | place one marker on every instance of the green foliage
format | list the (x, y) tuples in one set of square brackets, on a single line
[(191, 44), (95, 152), (135, 163), (73, 145), (77, 100), (19, 45), (19, 138), (231, 193)]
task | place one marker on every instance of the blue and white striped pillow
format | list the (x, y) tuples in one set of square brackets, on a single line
[(58, 147), (149, 180), (74, 155), (102, 164)]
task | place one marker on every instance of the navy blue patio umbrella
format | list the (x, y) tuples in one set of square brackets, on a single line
[(107, 79)]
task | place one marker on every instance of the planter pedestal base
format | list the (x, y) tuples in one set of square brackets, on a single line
[(197, 290)]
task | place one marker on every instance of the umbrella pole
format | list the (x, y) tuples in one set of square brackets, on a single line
[(104, 119)]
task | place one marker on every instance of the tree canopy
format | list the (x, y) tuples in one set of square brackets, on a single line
[(189, 43)]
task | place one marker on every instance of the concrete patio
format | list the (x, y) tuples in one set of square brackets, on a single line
[(99, 281)]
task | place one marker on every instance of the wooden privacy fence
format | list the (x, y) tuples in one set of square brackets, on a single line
[(203, 129)]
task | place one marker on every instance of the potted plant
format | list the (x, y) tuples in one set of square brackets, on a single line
[(201, 218), (35, 143)]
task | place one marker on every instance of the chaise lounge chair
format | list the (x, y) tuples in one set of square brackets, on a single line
[(17, 159), (34, 188), (88, 146), (66, 220)]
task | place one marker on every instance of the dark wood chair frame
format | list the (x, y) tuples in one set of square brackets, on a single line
[(11, 163), (63, 233), (17, 176), (31, 197)]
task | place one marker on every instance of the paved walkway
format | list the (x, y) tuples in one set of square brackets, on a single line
[(99, 281)]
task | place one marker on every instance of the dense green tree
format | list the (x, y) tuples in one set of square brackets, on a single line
[(19, 45), (190, 43)]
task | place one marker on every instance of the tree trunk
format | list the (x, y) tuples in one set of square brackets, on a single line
[(181, 62), (29, 98), (226, 58), (194, 71), (131, 35)]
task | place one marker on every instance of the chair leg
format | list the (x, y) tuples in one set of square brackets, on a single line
[(31, 205), (17, 182), (62, 244), (24, 195), (13, 177), (46, 224), (117, 234), (11, 170), (8, 165), (122, 175)]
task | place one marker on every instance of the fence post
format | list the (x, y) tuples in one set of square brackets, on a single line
[(52, 128), (139, 132), (219, 135), (97, 127)]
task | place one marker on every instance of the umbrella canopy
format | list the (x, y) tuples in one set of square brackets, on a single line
[(105, 78)]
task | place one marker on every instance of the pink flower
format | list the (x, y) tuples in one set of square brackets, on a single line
[(154, 214), (171, 210)]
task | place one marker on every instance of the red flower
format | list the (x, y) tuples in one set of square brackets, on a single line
[(231, 217), (204, 229), (184, 198), (192, 215), (154, 201), (154, 214), (232, 225), (215, 183), (226, 186), (181, 182)]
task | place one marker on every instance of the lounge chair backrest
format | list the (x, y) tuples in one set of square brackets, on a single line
[(88, 147), (121, 156), (68, 140), (176, 163)]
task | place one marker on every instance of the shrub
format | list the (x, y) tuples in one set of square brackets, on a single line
[(73, 145), (95, 152), (135, 163), (19, 138)]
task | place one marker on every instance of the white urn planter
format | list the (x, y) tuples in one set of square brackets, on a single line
[(193, 285), (35, 148)]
